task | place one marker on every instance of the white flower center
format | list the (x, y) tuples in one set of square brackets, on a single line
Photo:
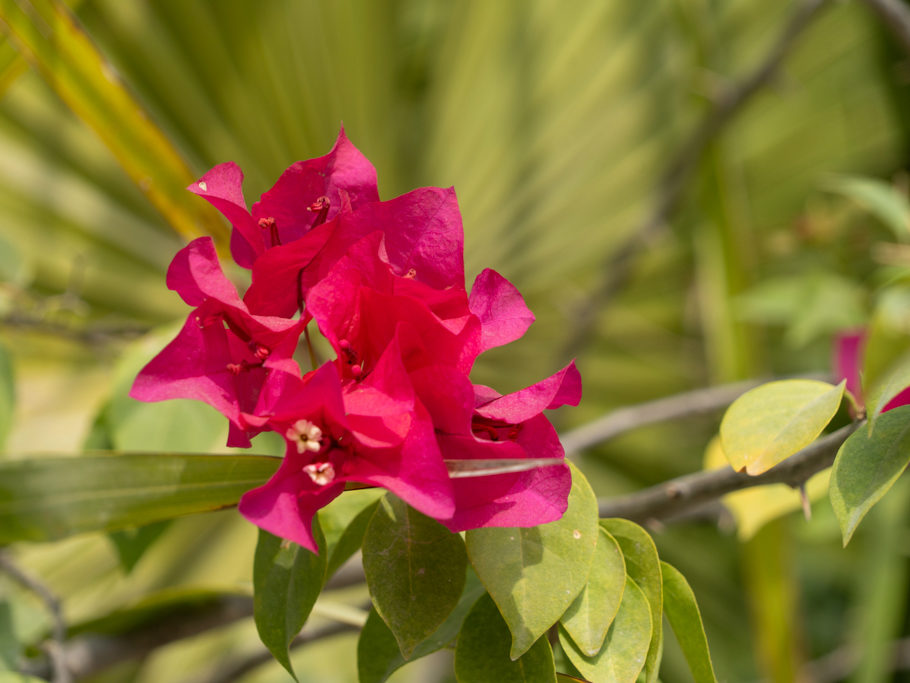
[(307, 436), (321, 473)]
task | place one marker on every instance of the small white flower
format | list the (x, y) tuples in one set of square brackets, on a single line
[(307, 436), (321, 473)]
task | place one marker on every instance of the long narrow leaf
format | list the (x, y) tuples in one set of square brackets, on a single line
[(44, 499), (47, 35)]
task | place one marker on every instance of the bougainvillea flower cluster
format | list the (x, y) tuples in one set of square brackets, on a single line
[(383, 282)]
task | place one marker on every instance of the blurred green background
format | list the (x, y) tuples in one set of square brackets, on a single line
[(557, 123)]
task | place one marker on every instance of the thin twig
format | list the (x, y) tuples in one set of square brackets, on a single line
[(55, 646), (896, 16), (89, 654), (693, 403), (668, 194), (689, 404), (90, 335), (677, 496)]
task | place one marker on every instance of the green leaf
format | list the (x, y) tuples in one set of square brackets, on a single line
[(50, 39), (378, 654), (890, 384), (534, 574), (344, 522), (589, 617), (287, 580), (625, 649), (685, 619), (881, 199), (774, 421), (131, 544), (867, 465), (7, 395), (43, 499), (482, 653), (415, 570), (643, 567)]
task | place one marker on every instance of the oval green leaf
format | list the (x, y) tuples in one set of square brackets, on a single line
[(589, 617), (774, 421), (626, 646), (44, 499), (287, 580), (482, 653), (415, 570), (378, 654), (685, 619), (867, 465), (643, 567), (534, 574)]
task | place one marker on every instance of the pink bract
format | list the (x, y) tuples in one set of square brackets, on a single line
[(383, 282)]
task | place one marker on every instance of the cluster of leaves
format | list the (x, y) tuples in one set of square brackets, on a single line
[(776, 420), (500, 596)]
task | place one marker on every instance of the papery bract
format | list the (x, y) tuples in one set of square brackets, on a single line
[(306, 195), (371, 432), (223, 354)]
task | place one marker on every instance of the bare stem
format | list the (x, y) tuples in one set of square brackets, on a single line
[(683, 494), (55, 646)]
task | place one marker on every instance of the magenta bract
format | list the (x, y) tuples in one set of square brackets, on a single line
[(383, 282)]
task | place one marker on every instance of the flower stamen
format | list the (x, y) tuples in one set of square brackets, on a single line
[(269, 224), (321, 208), (321, 473), (307, 436)]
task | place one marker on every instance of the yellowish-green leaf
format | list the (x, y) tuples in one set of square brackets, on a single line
[(867, 465), (643, 567), (589, 617), (534, 574), (625, 649), (754, 507), (685, 619), (49, 37), (772, 422)]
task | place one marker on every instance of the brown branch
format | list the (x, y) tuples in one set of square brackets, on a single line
[(689, 404), (87, 655), (693, 403), (90, 335), (618, 268), (681, 495), (896, 16), (55, 645)]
